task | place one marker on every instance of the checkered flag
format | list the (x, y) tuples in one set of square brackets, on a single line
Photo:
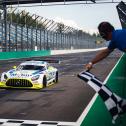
[(115, 104)]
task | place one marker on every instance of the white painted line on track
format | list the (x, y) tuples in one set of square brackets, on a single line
[(112, 70), (85, 112)]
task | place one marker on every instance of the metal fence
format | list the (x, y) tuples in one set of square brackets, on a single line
[(49, 35), (20, 38)]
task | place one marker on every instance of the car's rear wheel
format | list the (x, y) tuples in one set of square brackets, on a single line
[(44, 81), (56, 77)]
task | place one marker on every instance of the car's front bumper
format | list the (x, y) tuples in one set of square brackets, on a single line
[(33, 86)]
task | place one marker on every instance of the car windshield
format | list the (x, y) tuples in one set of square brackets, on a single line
[(30, 67)]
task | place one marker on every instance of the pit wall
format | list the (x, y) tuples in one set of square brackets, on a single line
[(28, 54), (116, 81), (24, 54)]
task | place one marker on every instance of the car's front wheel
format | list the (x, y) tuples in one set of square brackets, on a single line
[(44, 81), (56, 77)]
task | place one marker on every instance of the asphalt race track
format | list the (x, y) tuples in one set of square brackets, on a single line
[(64, 101)]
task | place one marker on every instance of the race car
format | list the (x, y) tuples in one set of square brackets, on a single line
[(30, 74)]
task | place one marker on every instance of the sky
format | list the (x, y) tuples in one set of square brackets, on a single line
[(85, 17)]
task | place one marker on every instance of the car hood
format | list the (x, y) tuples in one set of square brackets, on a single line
[(23, 73)]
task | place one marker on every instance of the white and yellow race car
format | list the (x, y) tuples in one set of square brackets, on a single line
[(30, 74)]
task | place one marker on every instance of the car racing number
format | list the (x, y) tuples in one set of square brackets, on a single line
[(51, 74)]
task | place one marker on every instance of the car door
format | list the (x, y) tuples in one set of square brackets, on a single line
[(51, 72)]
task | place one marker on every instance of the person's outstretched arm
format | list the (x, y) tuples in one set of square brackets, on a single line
[(100, 56)]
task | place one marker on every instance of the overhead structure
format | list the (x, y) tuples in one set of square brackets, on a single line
[(121, 8), (13, 2), (55, 2)]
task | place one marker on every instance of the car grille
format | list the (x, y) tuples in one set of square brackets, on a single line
[(19, 83)]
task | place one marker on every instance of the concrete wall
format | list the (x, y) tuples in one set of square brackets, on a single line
[(24, 54)]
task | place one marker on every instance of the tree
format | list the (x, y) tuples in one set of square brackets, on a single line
[(60, 27)]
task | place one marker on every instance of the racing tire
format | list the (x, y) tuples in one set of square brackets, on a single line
[(56, 77), (44, 81)]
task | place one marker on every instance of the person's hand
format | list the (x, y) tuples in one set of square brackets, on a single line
[(89, 66)]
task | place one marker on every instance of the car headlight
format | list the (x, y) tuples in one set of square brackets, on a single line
[(35, 77), (5, 77)]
